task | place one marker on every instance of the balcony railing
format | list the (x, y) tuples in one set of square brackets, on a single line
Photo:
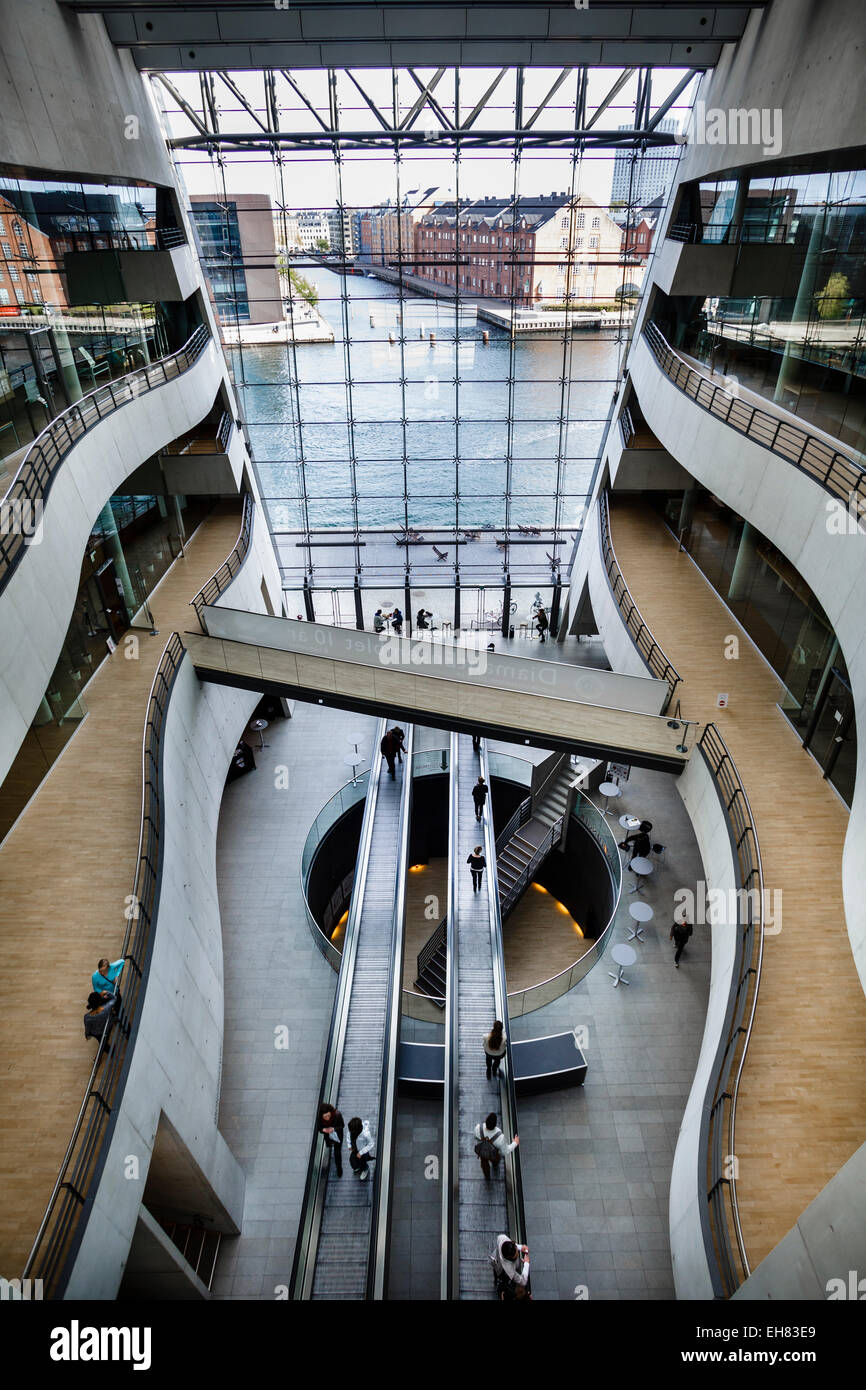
[(837, 473), (62, 1227), (32, 483), (640, 634), (626, 425), (765, 231), (724, 1237), (219, 582), (142, 239)]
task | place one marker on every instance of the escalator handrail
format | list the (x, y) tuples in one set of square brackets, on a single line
[(508, 1098), (450, 1245), (303, 1268), (380, 1223)]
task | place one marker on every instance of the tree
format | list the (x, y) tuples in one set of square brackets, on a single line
[(323, 243), (304, 288), (831, 300)]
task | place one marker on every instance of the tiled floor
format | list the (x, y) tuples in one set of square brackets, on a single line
[(596, 1160), (274, 974)]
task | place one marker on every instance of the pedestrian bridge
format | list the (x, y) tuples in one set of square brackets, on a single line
[(441, 683)]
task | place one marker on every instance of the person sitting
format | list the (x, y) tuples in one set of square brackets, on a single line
[(100, 1014), (639, 841), (397, 622), (378, 621), (421, 620)]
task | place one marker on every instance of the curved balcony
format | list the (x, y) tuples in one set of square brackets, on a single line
[(55, 498), (838, 473)]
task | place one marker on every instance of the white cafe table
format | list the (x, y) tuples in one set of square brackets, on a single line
[(623, 955), (609, 789), (639, 912), (641, 868)]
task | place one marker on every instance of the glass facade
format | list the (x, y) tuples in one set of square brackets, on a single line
[(428, 419), (803, 346)]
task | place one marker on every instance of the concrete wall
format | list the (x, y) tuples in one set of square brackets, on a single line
[(176, 1063), (817, 1258), (688, 1192), (36, 605), (67, 97), (619, 648), (793, 512)]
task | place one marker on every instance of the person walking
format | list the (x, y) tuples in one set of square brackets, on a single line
[(541, 623), (479, 796), (510, 1269), (490, 1144), (331, 1125), (680, 933), (360, 1147), (494, 1049), (476, 743), (477, 864), (393, 747)]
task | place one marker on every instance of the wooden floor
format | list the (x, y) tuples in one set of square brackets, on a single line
[(802, 1104), (65, 869)]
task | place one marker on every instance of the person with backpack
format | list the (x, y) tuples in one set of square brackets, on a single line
[(510, 1269), (360, 1147), (477, 864), (679, 935), (490, 1144), (479, 796), (495, 1043)]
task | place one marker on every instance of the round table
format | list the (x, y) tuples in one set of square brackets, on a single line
[(609, 789), (623, 955), (629, 822), (639, 912), (258, 726), (354, 760), (356, 738), (641, 868)]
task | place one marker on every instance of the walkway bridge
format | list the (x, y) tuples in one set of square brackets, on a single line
[(547, 704)]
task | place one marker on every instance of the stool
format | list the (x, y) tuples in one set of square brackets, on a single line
[(658, 851), (523, 630)]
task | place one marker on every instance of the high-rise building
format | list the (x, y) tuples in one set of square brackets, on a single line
[(639, 177), (239, 253)]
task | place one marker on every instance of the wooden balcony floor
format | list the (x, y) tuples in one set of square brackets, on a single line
[(65, 869), (802, 1104)]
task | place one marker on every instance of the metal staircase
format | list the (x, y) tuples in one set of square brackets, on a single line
[(521, 848)]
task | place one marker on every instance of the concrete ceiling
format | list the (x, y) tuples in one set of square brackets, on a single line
[(178, 35)]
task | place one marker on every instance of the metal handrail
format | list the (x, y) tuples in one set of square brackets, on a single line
[(224, 431), (837, 473), (626, 426), (639, 631), (507, 1092), (731, 233), (304, 1265), (720, 1105), (63, 1224), (228, 570), (449, 1271), (40, 465), (126, 239), (515, 892), (386, 1132)]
